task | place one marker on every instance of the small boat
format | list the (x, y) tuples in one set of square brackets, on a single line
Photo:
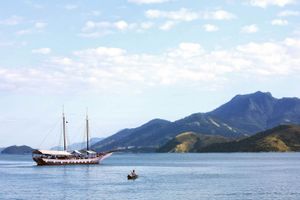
[(130, 177)]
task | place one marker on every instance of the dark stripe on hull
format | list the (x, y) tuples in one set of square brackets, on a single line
[(42, 161)]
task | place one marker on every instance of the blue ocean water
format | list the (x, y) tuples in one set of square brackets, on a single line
[(234, 176)]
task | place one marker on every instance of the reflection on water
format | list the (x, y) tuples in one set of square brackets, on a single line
[(161, 176)]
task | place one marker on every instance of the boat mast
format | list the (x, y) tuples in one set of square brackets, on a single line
[(87, 131), (64, 131)]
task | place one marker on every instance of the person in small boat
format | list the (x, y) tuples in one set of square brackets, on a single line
[(133, 173)]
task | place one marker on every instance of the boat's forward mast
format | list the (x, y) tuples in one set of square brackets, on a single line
[(87, 131), (64, 130)]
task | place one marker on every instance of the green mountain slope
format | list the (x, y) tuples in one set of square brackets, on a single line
[(190, 142), (282, 138)]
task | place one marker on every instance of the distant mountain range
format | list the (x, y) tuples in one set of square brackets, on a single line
[(231, 127), (242, 116), (258, 111), (17, 150), (79, 145)]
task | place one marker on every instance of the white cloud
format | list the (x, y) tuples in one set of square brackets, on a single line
[(97, 29), (279, 22), (154, 14), (11, 21), (292, 42), (186, 50), (181, 15), (121, 25), (43, 51), (37, 27), (104, 25), (184, 14), (93, 29), (107, 68), (101, 51), (147, 25), (167, 25), (24, 32), (64, 61), (210, 28), (250, 29), (40, 25), (218, 15), (287, 13), (91, 25), (147, 1), (265, 3)]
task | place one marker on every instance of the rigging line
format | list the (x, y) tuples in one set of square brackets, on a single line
[(77, 136), (57, 137), (82, 138), (50, 131), (90, 133), (83, 144)]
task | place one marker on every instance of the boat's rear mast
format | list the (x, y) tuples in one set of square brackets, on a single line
[(64, 131), (87, 131)]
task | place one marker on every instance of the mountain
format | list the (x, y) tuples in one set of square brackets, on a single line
[(258, 111), (157, 132), (78, 145), (243, 115), (190, 142), (17, 150), (1, 148), (135, 137), (282, 138)]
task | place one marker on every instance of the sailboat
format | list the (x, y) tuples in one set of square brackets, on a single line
[(86, 156)]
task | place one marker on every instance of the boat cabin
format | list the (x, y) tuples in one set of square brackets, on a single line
[(51, 154)]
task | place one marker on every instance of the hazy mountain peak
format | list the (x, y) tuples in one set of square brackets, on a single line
[(241, 104), (155, 122), (263, 93), (158, 121), (254, 95), (258, 111)]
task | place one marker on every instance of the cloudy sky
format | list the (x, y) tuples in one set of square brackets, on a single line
[(130, 61)]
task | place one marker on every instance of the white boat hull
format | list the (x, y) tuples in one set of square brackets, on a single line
[(70, 161)]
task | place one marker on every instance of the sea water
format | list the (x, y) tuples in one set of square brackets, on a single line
[(211, 176)]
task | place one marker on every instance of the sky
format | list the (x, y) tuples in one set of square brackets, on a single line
[(130, 61)]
